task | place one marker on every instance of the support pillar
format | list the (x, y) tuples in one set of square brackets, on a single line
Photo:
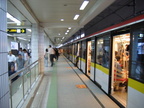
[(4, 84)]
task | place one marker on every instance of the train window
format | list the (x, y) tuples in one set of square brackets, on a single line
[(84, 50), (137, 68), (102, 53)]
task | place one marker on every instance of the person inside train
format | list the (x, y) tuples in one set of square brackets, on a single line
[(118, 65)]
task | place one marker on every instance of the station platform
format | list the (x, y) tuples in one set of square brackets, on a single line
[(65, 86)]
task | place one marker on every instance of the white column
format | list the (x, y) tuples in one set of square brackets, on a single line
[(4, 84), (41, 48), (34, 42)]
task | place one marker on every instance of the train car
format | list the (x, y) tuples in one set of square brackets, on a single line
[(113, 59)]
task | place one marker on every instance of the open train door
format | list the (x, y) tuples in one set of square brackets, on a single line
[(120, 70), (88, 59)]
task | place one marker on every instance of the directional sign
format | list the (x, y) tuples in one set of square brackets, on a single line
[(16, 30)]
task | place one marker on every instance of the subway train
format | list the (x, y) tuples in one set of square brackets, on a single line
[(113, 58)]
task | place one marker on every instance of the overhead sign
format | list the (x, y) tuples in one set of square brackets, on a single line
[(16, 30)]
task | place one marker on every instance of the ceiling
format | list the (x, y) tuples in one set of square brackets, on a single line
[(48, 13)]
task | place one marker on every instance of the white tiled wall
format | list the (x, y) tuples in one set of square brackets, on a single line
[(41, 48), (4, 85), (34, 42)]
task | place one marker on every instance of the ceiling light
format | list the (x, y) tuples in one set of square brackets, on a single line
[(84, 4), (21, 38), (59, 34), (67, 31), (13, 19), (62, 19), (76, 17), (63, 37), (29, 30), (82, 35), (69, 28)]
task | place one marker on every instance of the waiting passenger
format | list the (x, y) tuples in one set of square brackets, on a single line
[(52, 55), (26, 57), (46, 57), (21, 52), (11, 60), (20, 62), (11, 72)]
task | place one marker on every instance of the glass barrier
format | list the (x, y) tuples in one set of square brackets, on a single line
[(21, 83)]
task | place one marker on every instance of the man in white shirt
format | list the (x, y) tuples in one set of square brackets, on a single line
[(11, 60), (52, 54)]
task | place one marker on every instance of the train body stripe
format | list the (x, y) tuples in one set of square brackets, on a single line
[(136, 85), (103, 69), (116, 26), (82, 59)]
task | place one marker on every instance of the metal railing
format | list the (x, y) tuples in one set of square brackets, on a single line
[(22, 82)]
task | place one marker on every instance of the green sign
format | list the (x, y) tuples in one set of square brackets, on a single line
[(16, 30)]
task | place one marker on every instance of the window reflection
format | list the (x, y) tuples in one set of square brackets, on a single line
[(84, 50), (137, 68), (102, 53), (92, 50)]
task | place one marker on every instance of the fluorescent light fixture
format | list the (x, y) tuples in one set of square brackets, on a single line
[(63, 37), (13, 19), (67, 31), (29, 30), (84, 4), (10, 35), (82, 35), (76, 17), (21, 38), (62, 19)]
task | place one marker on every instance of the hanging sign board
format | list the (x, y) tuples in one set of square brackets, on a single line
[(16, 30)]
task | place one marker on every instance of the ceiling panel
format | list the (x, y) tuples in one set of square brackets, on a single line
[(49, 12)]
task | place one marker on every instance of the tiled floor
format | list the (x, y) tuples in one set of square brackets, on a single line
[(59, 89)]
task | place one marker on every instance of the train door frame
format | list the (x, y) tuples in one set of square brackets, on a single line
[(73, 58), (75, 52), (86, 69), (95, 59), (78, 54), (112, 75)]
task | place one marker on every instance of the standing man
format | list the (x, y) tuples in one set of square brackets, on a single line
[(21, 52), (20, 63), (52, 54), (11, 60)]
